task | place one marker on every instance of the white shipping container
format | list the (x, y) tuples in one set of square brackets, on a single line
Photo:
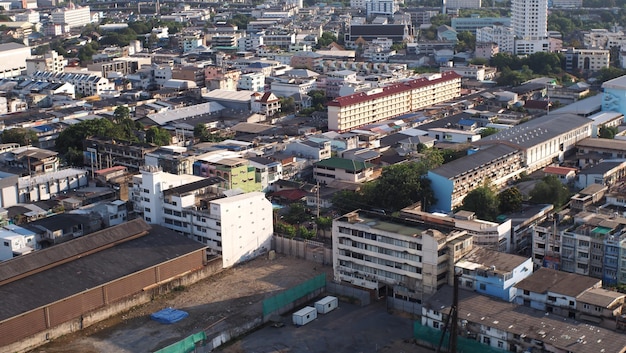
[(304, 316), (326, 304)]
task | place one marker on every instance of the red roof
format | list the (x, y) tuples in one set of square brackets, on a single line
[(392, 89), (558, 170), (109, 170), (266, 98), (290, 195)]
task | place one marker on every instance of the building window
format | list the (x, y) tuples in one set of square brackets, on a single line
[(526, 292), (486, 340), (500, 344), (6, 243), (482, 286), (148, 219), (435, 324)]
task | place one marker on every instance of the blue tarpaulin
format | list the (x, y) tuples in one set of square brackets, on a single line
[(169, 316)]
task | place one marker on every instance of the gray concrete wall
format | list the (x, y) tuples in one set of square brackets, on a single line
[(302, 249)]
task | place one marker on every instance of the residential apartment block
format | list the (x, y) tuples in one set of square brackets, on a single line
[(328, 170), (406, 258), (50, 61), (349, 112), (237, 227), (85, 84), (452, 181)]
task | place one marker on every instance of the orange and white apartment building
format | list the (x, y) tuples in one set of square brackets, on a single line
[(355, 110)]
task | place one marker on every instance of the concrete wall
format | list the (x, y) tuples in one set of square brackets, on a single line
[(308, 250), (340, 290)]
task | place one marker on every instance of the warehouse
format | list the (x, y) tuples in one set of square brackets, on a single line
[(73, 285)]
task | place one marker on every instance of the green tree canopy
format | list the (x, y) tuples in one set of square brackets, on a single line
[(326, 39), (21, 136), (73, 136), (607, 132), (510, 200), (483, 201), (120, 113), (488, 131), (297, 214), (401, 185), (550, 190), (158, 136)]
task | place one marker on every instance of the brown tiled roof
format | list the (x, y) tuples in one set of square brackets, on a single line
[(396, 88)]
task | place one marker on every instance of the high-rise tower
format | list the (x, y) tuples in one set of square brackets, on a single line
[(530, 25)]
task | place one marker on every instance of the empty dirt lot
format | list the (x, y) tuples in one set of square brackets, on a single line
[(234, 294)]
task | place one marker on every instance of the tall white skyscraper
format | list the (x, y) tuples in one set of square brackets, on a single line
[(530, 25)]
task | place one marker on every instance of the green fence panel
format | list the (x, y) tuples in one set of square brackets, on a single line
[(464, 345), (292, 294), (186, 345)]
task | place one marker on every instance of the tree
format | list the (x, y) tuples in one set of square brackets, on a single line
[(296, 214), (550, 190), (510, 200), (347, 201), (21, 136), (483, 201), (74, 135), (466, 41), (201, 132), (607, 132), (326, 39), (609, 73), (318, 97), (488, 131), (158, 136), (287, 104), (400, 185), (121, 113)]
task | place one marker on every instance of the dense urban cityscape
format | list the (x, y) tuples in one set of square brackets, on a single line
[(381, 175)]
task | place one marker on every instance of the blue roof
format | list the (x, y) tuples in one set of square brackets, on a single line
[(259, 65), (42, 128), (466, 122)]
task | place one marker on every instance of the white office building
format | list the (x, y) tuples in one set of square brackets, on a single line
[(238, 227), (530, 25), (254, 81), (75, 17), (381, 7), (503, 36)]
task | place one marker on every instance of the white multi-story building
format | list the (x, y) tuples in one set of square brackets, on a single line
[(394, 257), (530, 25), (463, 4), (50, 61), (250, 42), (587, 60), (28, 16), (358, 4), (352, 111), (503, 36), (75, 17), (16, 241), (380, 7), (237, 227), (254, 81), (86, 84)]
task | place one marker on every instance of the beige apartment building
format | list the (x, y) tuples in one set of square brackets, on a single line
[(352, 111)]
